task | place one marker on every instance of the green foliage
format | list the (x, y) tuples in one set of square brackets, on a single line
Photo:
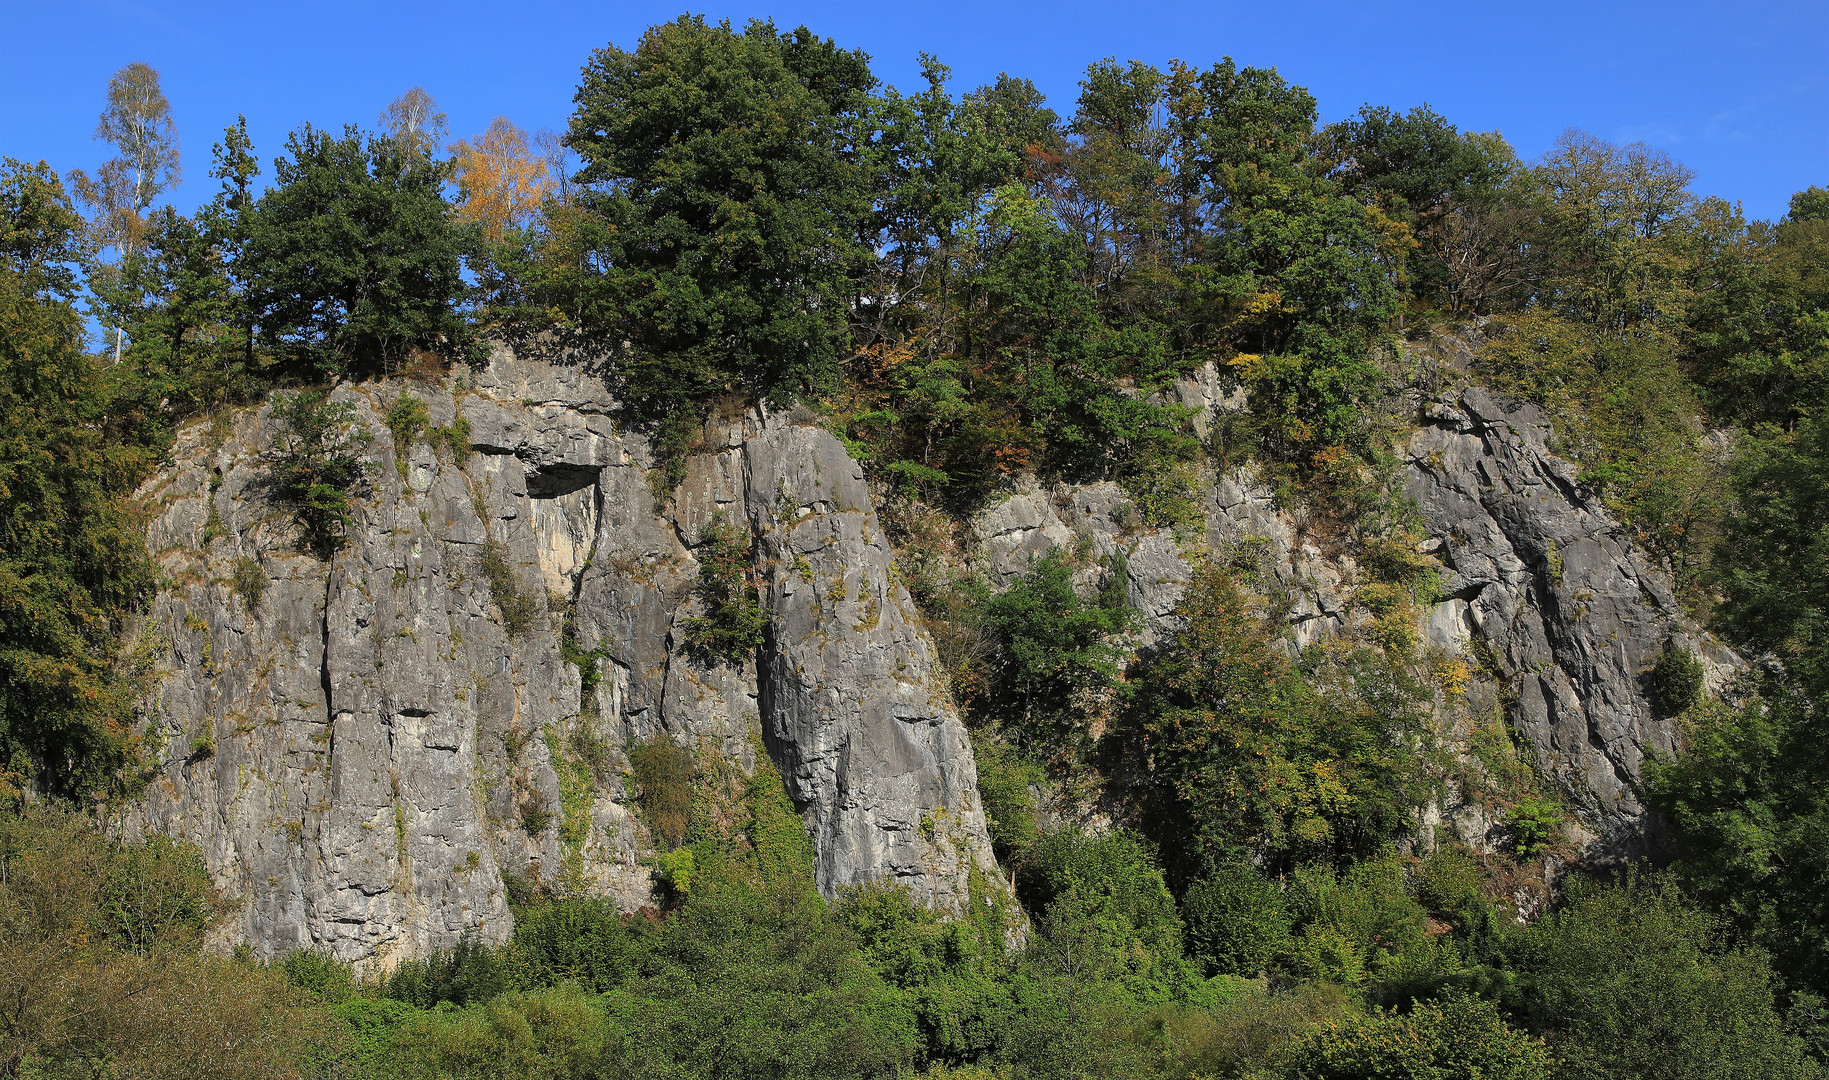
[(72, 561), (1774, 557), (407, 419), (1006, 776), (752, 982), (472, 972), (663, 779), (1635, 981), (1534, 823), (1058, 660), (721, 168), (100, 967), (520, 606), (155, 895), (316, 465), (249, 583), (1241, 757), (319, 974), (1236, 919), (581, 940), (557, 1033), (777, 837), (675, 871), (1677, 682), (1105, 914), (1359, 927), (1746, 813), (1441, 183), (1461, 1037), (734, 623), (353, 260)]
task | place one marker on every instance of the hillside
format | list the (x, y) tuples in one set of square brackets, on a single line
[(799, 579)]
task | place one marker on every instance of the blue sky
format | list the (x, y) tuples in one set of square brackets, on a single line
[(1738, 91)]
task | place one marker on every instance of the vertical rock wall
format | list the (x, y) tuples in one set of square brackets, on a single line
[(363, 748)]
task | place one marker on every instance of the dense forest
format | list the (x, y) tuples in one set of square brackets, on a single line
[(964, 288)]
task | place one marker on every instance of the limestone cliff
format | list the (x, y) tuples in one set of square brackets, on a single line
[(364, 746)]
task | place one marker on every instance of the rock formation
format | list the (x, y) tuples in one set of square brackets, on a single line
[(364, 746), (367, 748)]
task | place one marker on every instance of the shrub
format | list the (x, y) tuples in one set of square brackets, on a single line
[(471, 972), (407, 419), (676, 869), (663, 781), (1005, 777), (734, 622), (1677, 682), (1459, 1037), (584, 940), (249, 583), (519, 606), (1059, 660), (155, 895), (1236, 920), (316, 465), (1633, 980), (1534, 824)]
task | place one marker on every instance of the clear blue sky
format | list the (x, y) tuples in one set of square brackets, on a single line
[(1735, 89)]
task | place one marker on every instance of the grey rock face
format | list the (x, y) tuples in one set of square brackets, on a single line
[(362, 749), (1573, 612)]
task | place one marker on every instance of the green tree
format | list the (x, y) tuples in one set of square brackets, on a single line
[(72, 562), (317, 465), (723, 172), (1236, 755), (1237, 920), (353, 259), (734, 622), (1292, 272), (1743, 801), (1421, 171), (1635, 981), (749, 982), (1058, 662)]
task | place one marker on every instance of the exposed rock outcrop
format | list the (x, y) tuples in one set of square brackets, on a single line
[(1543, 593), (1551, 590), (364, 746)]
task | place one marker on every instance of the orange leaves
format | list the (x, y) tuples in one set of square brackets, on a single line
[(501, 181)]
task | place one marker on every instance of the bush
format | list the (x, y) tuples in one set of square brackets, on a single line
[(555, 1034), (316, 465), (1632, 981), (1458, 1038), (518, 605), (663, 780), (1678, 680), (1058, 659), (470, 973), (734, 622), (1534, 824), (1236, 920), (586, 941), (1105, 914), (407, 419)]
